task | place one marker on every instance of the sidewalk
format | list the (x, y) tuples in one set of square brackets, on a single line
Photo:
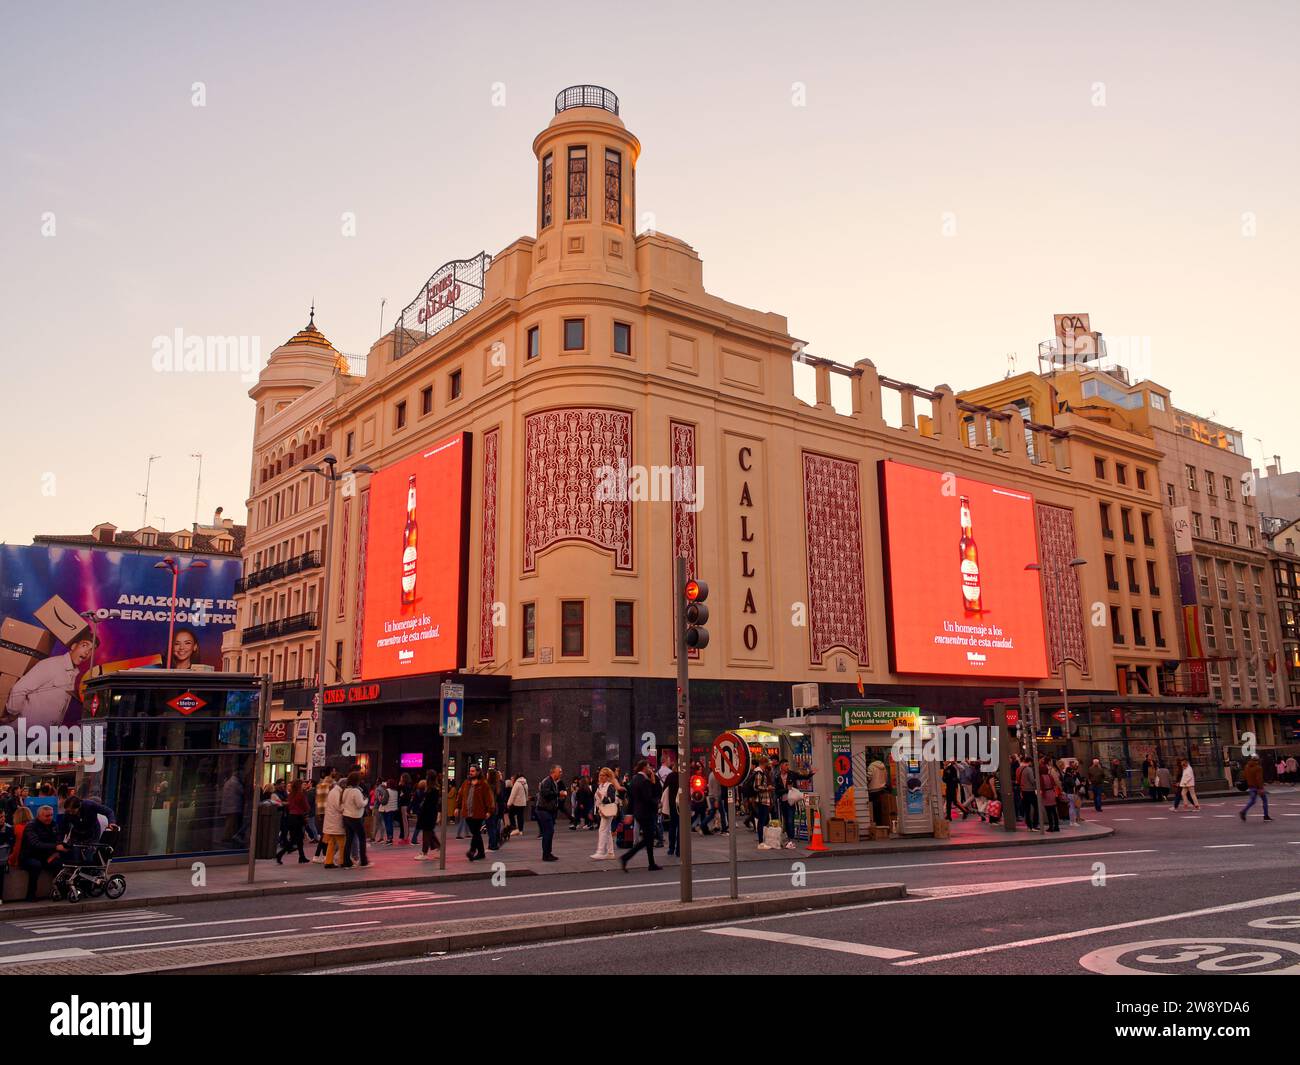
[(395, 865)]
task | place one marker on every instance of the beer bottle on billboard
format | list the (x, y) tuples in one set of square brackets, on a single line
[(408, 546), (971, 594)]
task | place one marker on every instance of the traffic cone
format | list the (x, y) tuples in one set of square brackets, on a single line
[(817, 843)]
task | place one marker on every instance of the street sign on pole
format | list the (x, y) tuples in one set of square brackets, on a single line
[(451, 718), (730, 760), (730, 763)]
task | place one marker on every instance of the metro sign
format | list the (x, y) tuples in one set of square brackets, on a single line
[(186, 703)]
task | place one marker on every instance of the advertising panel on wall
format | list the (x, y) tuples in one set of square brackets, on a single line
[(961, 602), (417, 553), (45, 653)]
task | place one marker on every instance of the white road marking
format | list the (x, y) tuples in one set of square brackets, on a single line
[(1226, 846), (180, 942), (1272, 900), (53, 955), (126, 920), (348, 924), (888, 953), (967, 890), (665, 884)]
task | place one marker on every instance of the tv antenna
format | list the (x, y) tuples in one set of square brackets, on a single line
[(198, 485), (144, 513)]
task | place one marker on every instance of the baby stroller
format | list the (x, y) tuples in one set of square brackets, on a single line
[(86, 871)]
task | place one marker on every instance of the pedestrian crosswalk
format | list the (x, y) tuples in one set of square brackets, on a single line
[(120, 921)]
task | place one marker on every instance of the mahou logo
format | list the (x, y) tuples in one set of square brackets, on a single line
[(186, 703)]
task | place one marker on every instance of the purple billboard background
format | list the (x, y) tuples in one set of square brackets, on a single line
[(131, 598)]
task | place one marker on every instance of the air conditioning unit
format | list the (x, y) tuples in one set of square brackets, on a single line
[(805, 697)]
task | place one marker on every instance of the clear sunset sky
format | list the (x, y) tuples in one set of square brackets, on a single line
[(225, 219)]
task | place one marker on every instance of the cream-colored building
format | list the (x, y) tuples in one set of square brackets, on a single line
[(595, 347)]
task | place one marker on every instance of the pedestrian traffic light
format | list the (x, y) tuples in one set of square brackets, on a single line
[(697, 788), (697, 636)]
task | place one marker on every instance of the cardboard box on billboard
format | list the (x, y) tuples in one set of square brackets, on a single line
[(61, 619), (7, 681), (835, 830), (850, 830), (22, 646)]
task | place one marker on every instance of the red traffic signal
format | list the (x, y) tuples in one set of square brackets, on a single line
[(697, 788), (696, 614), (696, 591)]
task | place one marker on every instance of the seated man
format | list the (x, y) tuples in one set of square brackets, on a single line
[(41, 850)]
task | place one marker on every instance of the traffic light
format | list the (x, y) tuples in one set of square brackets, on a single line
[(697, 788), (697, 636)]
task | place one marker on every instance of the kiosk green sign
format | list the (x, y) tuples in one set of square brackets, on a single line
[(879, 718)]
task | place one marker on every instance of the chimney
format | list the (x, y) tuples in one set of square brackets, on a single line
[(1271, 469), (216, 517)]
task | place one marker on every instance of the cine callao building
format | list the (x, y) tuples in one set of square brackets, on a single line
[(551, 425)]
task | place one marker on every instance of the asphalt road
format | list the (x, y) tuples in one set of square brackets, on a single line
[(980, 906)]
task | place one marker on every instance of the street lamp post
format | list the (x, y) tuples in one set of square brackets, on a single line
[(175, 568), (327, 469), (1056, 577)]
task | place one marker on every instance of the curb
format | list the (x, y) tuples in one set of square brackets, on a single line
[(12, 911), (1020, 838), (461, 936)]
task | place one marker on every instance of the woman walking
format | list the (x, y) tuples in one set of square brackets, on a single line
[(333, 831), (762, 781), (517, 804), (426, 822), (607, 808), (1187, 786), (354, 820), (389, 809), (404, 792), (1049, 789)]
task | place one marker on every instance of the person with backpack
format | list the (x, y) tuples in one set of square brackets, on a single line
[(549, 797), (643, 802)]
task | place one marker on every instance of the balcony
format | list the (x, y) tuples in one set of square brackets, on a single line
[(1184, 683), (269, 630), (307, 560), (282, 686)]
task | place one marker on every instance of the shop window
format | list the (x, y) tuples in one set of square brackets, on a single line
[(573, 628)]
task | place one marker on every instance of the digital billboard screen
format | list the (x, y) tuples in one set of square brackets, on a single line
[(416, 556), (961, 602)]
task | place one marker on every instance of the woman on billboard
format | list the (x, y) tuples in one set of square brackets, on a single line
[(185, 649)]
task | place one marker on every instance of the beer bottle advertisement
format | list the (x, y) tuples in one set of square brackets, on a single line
[(961, 602), (414, 585)]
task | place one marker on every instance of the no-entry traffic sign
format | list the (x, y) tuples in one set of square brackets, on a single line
[(730, 759)]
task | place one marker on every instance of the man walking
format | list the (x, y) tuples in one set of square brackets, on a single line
[(549, 796), (643, 795), (478, 804), (1255, 785), (1096, 782)]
